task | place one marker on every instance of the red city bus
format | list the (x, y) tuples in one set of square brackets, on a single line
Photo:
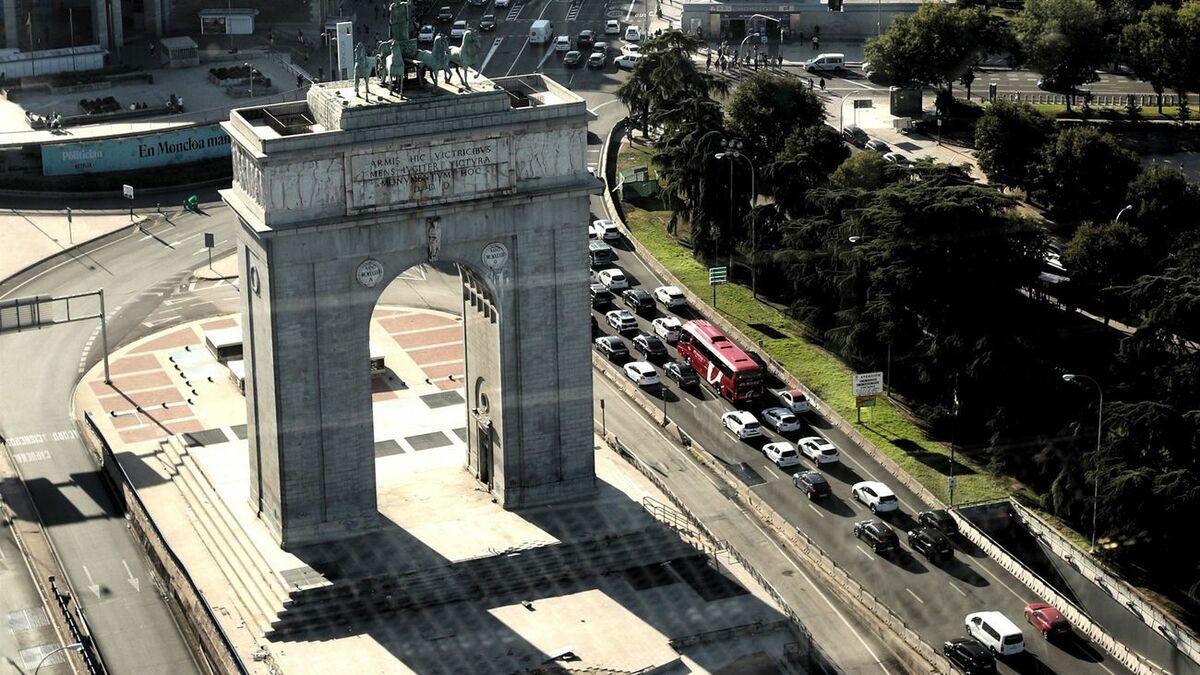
[(718, 361)]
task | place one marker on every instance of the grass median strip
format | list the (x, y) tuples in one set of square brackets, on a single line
[(924, 459)]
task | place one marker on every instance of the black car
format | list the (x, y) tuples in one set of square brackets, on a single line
[(877, 535), (969, 656), (586, 39), (573, 59), (855, 135), (601, 296), (813, 484), (640, 301), (649, 346), (938, 520), (930, 543), (487, 22), (612, 347), (681, 373), (444, 13), (595, 327)]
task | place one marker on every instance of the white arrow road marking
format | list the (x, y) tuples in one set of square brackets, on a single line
[(92, 585), (133, 581), (166, 319)]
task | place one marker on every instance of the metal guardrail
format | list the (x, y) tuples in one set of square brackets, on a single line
[(1121, 100), (107, 457)]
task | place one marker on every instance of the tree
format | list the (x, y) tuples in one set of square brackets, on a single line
[(864, 171), (1064, 40), (1154, 49), (666, 76), (804, 162), (1009, 138), (1103, 257), (766, 109), (1084, 174), (1189, 28), (1164, 208), (936, 45)]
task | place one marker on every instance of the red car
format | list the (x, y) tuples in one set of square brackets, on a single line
[(1047, 620)]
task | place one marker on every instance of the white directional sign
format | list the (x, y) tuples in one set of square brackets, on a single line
[(127, 191), (868, 384)]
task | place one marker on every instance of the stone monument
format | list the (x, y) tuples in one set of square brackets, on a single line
[(336, 197)]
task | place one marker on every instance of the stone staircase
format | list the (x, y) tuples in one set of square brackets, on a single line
[(258, 593), (350, 600)]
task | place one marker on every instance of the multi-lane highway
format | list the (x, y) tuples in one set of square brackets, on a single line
[(933, 599)]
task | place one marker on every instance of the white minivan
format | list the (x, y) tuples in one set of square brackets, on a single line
[(541, 32), (996, 632), (824, 62)]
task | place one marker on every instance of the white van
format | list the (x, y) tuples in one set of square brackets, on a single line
[(541, 32), (824, 62), (996, 632)]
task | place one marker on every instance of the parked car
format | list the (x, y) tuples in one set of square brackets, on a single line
[(670, 296), (896, 158), (621, 320), (629, 48), (782, 453), (612, 347), (855, 135), (627, 61), (586, 39), (477, 3), (597, 60), (681, 373), (813, 484), (601, 297), (502, 4), (1047, 620), (780, 419), (969, 656), (818, 450), (426, 34), (930, 543), (633, 34), (995, 632), (877, 535), (641, 372), (562, 43), (650, 347), (638, 300), (878, 146), (600, 254), (667, 328), (612, 27), (445, 14), (605, 229), (939, 520), (487, 22), (741, 424), (794, 400), (875, 496), (613, 278), (572, 59), (458, 29)]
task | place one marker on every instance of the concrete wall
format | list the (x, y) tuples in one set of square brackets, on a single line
[(320, 210)]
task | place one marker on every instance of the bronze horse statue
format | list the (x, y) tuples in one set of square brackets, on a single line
[(466, 57), (434, 60)]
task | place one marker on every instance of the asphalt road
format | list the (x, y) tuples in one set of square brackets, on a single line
[(932, 599), (39, 370)]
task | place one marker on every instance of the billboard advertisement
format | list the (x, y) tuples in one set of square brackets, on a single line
[(131, 153)]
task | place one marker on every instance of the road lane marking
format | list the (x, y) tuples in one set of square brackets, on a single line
[(864, 551), (526, 42), (960, 591), (133, 581), (630, 12), (918, 598), (491, 52), (35, 456), (816, 510), (999, 581), (770, 471), (92, 585), (593, 110)]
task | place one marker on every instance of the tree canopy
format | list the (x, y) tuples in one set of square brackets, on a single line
[(1084, 174), (1064, 40), (1008, 141), (936, 45)]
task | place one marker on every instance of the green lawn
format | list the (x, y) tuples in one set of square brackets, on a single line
[(926, 460), (1110, 112)]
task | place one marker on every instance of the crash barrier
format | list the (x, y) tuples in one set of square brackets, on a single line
[(1116, 100), (195, 616)]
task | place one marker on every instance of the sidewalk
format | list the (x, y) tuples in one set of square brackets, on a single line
[(31, 236)]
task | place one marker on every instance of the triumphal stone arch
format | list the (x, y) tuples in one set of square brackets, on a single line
[(337, 195)]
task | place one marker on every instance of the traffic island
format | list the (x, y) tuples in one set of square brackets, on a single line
[(450, 581)]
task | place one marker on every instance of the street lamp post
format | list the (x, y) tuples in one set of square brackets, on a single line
[(74, 646), (842, 106), (734, 151), (247, 64), (1122, 212), (1072, 377)]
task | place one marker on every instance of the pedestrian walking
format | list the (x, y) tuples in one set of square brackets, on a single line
[(708, 62), (816, 42), (151, 48), (780, 57), (299, 81), (822, 84)]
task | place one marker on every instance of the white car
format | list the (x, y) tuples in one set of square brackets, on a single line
[(794, 400), (621, 320), (818, 450), (613, 279), (633, 34), (562, 43), (783, 454), (426, 34), (875, 495), (631, 49), (627, 61), (605, 229), (501, 4), (641, 372), (741, 424), (667, 328), (670, 296), (780, 419), (458, 29), (612, 27)]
